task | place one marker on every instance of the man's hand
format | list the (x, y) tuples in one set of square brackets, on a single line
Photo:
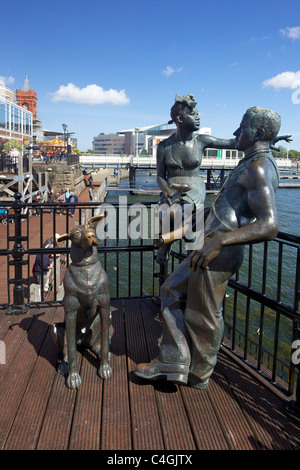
[(210, 250)]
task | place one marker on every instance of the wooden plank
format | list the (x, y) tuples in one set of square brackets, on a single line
[(206, 428), (58, 418), (233, 422), (18, 374), (174, 420), (261, 408), (116, 428), (16, 334), (86, 425), (27, 424), (146, 430)]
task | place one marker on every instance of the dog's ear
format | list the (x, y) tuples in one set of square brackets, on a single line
[(62, 238), (96, 218)]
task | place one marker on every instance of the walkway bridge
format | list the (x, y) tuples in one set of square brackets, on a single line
[(149, 161), (213, 169)]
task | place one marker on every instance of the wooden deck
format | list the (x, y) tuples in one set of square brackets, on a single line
[(37, 411)]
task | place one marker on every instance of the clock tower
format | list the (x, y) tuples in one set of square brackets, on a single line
[(27, 98)]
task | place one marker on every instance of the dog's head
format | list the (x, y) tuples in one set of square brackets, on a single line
[(83, 236)]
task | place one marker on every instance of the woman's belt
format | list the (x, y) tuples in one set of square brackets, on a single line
[(181, 172)]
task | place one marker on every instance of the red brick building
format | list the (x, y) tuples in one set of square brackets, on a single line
[(27, 98)]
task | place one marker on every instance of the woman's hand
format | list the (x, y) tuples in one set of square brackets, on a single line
[(286, 138)]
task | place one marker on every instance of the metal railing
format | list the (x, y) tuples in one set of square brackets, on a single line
[(130, 264), (261, 306)]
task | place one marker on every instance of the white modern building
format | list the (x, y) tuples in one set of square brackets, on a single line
[(109, 144), (132, 141)]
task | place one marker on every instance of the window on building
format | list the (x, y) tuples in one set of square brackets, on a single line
[(2, 115), (212, 153), (28, 124)]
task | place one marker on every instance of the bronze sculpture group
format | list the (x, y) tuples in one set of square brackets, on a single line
[(243, 212)]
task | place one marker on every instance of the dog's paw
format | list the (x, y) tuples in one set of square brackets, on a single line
[(105, 371), (73, 380)]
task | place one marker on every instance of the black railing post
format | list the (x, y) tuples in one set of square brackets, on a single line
[(132, 175), (18, 307)]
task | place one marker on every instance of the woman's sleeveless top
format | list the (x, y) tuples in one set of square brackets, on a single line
[(187, 171)]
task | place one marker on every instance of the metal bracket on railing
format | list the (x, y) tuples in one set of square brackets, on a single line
[(18, 307)]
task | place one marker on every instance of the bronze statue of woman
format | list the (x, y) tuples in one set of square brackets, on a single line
[(179, 159)]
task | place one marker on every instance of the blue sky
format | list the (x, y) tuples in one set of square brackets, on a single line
[(104, 66)]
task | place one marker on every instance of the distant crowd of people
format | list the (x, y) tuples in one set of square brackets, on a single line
[(51, 156), (56, 199)]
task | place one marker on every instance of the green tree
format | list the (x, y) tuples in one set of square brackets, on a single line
[(13, 144), (294, 155)]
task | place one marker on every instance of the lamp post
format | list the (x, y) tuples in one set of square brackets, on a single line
[(65, 127), (137, 141)]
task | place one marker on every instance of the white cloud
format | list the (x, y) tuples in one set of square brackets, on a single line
[(91, 94), (170, 70), (289, 80), (6, 80), (292, 33)]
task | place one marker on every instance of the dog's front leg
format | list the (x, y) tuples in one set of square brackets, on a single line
[(105, 370), (73, 379)]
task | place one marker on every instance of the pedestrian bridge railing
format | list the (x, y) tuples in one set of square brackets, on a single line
[(149, 161)]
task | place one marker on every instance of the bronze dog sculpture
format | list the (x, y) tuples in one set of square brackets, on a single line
[(86, 304)]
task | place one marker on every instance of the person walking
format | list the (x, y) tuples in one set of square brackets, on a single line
[(73, 200), (42, 270), (60, 200)]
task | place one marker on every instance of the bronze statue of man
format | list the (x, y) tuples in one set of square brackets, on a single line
[(244, 212)]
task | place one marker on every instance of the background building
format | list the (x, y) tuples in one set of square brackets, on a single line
[(16, 122), (109, 144), (132, 141), (27, 98)]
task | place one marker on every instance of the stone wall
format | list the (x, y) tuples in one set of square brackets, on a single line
[(61, 176)]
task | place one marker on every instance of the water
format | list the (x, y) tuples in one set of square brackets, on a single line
[(287, 201), (120, 269)]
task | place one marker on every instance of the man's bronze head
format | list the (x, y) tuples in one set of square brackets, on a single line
[(258, 124)]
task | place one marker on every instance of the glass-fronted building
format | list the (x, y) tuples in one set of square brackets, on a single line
[(15, 121)]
